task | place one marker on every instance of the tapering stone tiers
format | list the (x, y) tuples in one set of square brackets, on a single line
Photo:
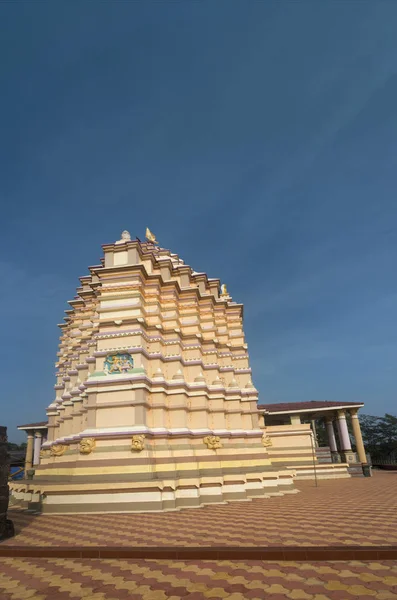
[(155, 408)]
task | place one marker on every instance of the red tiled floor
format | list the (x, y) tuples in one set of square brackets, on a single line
[(64, 579), (356, 511)]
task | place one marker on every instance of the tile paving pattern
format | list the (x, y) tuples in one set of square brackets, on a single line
[(356, 511), (339, 513), (94, 579)]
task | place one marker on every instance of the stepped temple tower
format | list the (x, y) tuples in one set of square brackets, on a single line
[(154, 406)]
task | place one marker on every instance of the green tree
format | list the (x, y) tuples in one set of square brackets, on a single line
[(379, 434), (12, 446), (322, 436)]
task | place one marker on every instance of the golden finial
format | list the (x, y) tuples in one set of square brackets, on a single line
[(150, 236)]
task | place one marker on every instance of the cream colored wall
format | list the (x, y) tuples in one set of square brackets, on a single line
[(109, 417), (286, 436), (157, 413)]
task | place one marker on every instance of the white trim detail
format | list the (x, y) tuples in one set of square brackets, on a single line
[(266, 411), (154, 431)]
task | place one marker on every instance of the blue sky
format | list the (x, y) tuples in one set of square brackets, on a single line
[(256, 139)]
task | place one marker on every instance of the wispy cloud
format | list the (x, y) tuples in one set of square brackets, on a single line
[(363, 80)]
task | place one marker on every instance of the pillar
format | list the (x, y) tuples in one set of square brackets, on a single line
[(358, 437), (344, 432), (313, 424), (37, 447), (29, 453), (331, 434), (295, 419), (345, 438)]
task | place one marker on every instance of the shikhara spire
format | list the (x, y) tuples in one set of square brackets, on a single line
[(152, 360)]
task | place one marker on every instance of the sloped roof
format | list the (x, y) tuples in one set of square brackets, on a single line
[(294, 407), (42, 424)]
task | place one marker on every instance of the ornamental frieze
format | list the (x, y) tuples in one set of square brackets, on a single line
[(118, 363)]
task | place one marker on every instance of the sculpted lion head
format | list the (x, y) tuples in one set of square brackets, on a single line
[(213, 442), (266, 441), (86, 445), (58, 450), (138, 443)]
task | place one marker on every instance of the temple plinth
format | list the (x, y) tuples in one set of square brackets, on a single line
[(155, 408)]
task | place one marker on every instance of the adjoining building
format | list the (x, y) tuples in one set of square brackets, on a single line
[(292, 428), (36, 435), (155, 408)]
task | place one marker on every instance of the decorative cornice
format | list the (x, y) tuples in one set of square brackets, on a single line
[(172, 358), (155, 432), (153, 383), (160, 338)]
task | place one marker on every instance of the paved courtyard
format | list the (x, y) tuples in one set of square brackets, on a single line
[(355, 511), (337, 513), (62, 579)]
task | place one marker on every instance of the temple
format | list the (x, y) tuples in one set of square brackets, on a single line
[(155, 408)]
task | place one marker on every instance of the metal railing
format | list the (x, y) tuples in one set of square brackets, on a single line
[(15, 474), (384, 460)]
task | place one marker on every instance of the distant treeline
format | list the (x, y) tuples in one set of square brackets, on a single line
[(379, 435)]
